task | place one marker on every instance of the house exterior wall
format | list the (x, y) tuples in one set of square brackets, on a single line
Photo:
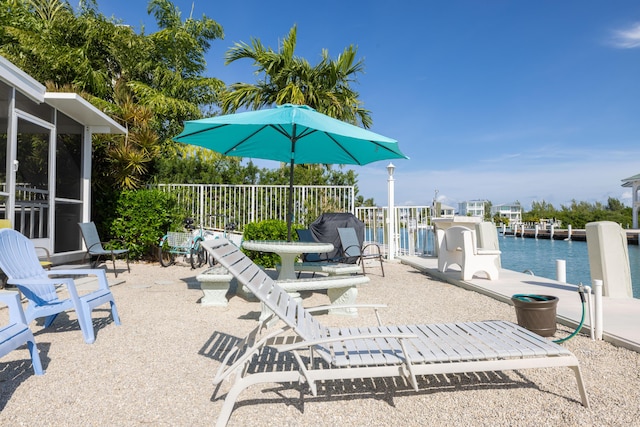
[(513, 212), (45, 161), (471, 208)]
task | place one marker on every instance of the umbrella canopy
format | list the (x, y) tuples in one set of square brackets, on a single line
[(294, 134)]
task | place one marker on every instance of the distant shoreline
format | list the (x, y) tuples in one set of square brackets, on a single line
[(563, 234)]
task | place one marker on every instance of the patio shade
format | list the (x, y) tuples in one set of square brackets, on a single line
[(293, 134)]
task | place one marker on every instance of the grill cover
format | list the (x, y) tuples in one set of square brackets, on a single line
[(325, 230)]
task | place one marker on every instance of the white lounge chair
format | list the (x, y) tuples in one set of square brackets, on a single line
[(457, 245), (319, 354)]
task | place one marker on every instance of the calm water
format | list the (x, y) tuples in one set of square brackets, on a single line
[(540, 255)]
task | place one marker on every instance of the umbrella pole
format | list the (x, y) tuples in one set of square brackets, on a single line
[(290, 202)]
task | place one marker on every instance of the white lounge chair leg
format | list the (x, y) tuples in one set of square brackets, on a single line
[(343, 296)]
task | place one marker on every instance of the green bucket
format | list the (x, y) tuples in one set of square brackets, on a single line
[(536, 313)]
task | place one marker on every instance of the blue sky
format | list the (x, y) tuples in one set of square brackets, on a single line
[(497, 100)]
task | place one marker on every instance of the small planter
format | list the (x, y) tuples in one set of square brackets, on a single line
[(536, 313)]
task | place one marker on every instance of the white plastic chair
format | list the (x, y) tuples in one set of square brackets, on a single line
[(20, 263), (16, 333), (457, 246)]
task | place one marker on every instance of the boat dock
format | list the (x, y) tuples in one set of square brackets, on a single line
[(621, 316), (563, 234)]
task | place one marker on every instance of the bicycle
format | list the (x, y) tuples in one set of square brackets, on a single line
[(176, 243)]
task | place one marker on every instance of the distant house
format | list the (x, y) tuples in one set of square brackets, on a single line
[(45, 161), (634, 183), (513, 212), (446, 211), (440, 210), (472, 208)]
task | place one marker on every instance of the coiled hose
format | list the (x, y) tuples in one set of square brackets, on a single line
[(582, 298)]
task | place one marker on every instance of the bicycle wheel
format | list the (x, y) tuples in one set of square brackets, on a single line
[(198, 255), (164, 254)]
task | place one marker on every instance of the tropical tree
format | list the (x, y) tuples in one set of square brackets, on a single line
[(150, 84), (286, 78), (195, 165)]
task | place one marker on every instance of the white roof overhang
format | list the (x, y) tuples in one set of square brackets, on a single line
[(82, 111), (15, 77)]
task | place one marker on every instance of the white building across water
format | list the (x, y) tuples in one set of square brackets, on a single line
[(512, 211), (634, 183), (45, 161)]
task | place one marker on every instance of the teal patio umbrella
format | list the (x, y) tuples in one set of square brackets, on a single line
[(293, 134)]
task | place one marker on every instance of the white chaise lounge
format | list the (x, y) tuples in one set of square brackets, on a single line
[(319, 354)]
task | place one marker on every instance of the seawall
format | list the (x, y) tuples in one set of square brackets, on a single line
[(563, 234)]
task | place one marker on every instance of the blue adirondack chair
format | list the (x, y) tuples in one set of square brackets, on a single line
[(19, 261), (17, 332)]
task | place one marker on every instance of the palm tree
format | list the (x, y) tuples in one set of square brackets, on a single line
[(291, 79)]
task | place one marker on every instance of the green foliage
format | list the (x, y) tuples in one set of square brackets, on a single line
[(270, 229), (499, 220), (539, 210), (149, 83), (487, 210), (142, 217), (195, 165), (286, 78), (578, 214)]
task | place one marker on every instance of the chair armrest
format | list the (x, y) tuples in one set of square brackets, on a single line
[(329, 306), (12, 300), (98, 272), (346, 249), (46, 252), (377, 246), (481, 251), (305, 344), (66, 281)]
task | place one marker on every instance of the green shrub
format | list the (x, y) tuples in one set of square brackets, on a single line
[(269, 229), (142, 217)]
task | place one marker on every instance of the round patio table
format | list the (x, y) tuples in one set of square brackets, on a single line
[(288, 252)]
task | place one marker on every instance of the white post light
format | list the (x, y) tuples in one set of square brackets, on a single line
[(392, 217)]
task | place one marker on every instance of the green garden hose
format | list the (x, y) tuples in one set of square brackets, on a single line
[(581, 292)]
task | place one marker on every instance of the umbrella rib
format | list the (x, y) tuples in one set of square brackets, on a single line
[(343, 149), (243, 140), (307, 132), (201, 131)]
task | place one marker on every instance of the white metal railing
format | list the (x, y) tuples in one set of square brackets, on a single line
[(413, 234), (242, 204), (216, 205)]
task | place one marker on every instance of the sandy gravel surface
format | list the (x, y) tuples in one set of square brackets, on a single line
[(157, 367)]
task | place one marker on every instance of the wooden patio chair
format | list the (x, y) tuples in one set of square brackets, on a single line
[(319, 354)]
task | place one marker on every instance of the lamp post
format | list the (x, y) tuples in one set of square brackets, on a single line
[(392, 215)]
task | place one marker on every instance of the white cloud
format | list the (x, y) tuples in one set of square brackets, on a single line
[(628, 38)]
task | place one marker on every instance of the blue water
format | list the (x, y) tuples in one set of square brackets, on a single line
[(539, 256)]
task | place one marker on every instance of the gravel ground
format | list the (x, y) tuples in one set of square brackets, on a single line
[(157, 367)]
